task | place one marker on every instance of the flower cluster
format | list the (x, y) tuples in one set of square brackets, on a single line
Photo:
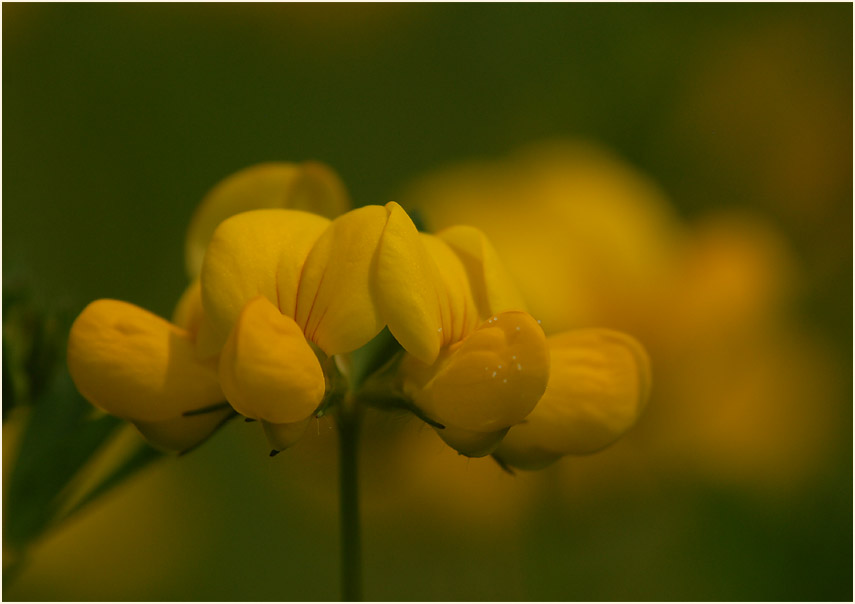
[(288, 288)]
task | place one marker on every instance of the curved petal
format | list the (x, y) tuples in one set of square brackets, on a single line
[(182, 433), (335, 306), (134, 365), (459, 312), (494, 290), (309, 186), (282, 436), (598, 386), (420, 288), (488, 382), (255, 253), (405, 283), (188, 312), (470, 443), (404, 287), (267, 369)]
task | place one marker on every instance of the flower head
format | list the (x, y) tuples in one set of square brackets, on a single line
[(450, 304), (281, 299)]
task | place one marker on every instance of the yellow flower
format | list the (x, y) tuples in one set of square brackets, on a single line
[(599, 379), (281, 297), (163, 376), (476, 363), (282, 291), (711, 299)]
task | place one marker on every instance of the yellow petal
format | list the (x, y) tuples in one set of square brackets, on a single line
[(133, 364), (458, 309), (255, 253), (267, 369), (598, 386), (421, 289), (488, 382), (282, 436), (335, 306), (309, 186), (469, 443), (494, 290), (209, 342), (188, 312), (405, 287), (182, 433)]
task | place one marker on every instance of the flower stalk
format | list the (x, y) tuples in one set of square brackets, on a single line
[(351, 559)]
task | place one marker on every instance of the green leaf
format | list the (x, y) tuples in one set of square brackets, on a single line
[(59, 438), (133, 464)]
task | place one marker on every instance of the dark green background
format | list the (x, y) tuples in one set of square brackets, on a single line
[(118, 118)]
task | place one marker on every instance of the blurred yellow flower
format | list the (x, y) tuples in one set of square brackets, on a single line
[(710, 301)]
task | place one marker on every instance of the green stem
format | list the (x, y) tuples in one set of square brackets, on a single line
[(351, 563)]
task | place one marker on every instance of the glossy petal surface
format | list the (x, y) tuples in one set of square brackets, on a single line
[(457, 304), (335, 305), (255, 253), (405, 287), (267, 369), (421, 289), (598, 386), (490, 381), (135, 365)]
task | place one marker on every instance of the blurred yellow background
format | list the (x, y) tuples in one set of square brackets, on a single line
[(682, 173)]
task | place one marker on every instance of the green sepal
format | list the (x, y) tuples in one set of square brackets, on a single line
[(375, 357), (204, 410)]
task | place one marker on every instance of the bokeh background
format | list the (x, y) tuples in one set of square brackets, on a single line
[(736, 119)]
